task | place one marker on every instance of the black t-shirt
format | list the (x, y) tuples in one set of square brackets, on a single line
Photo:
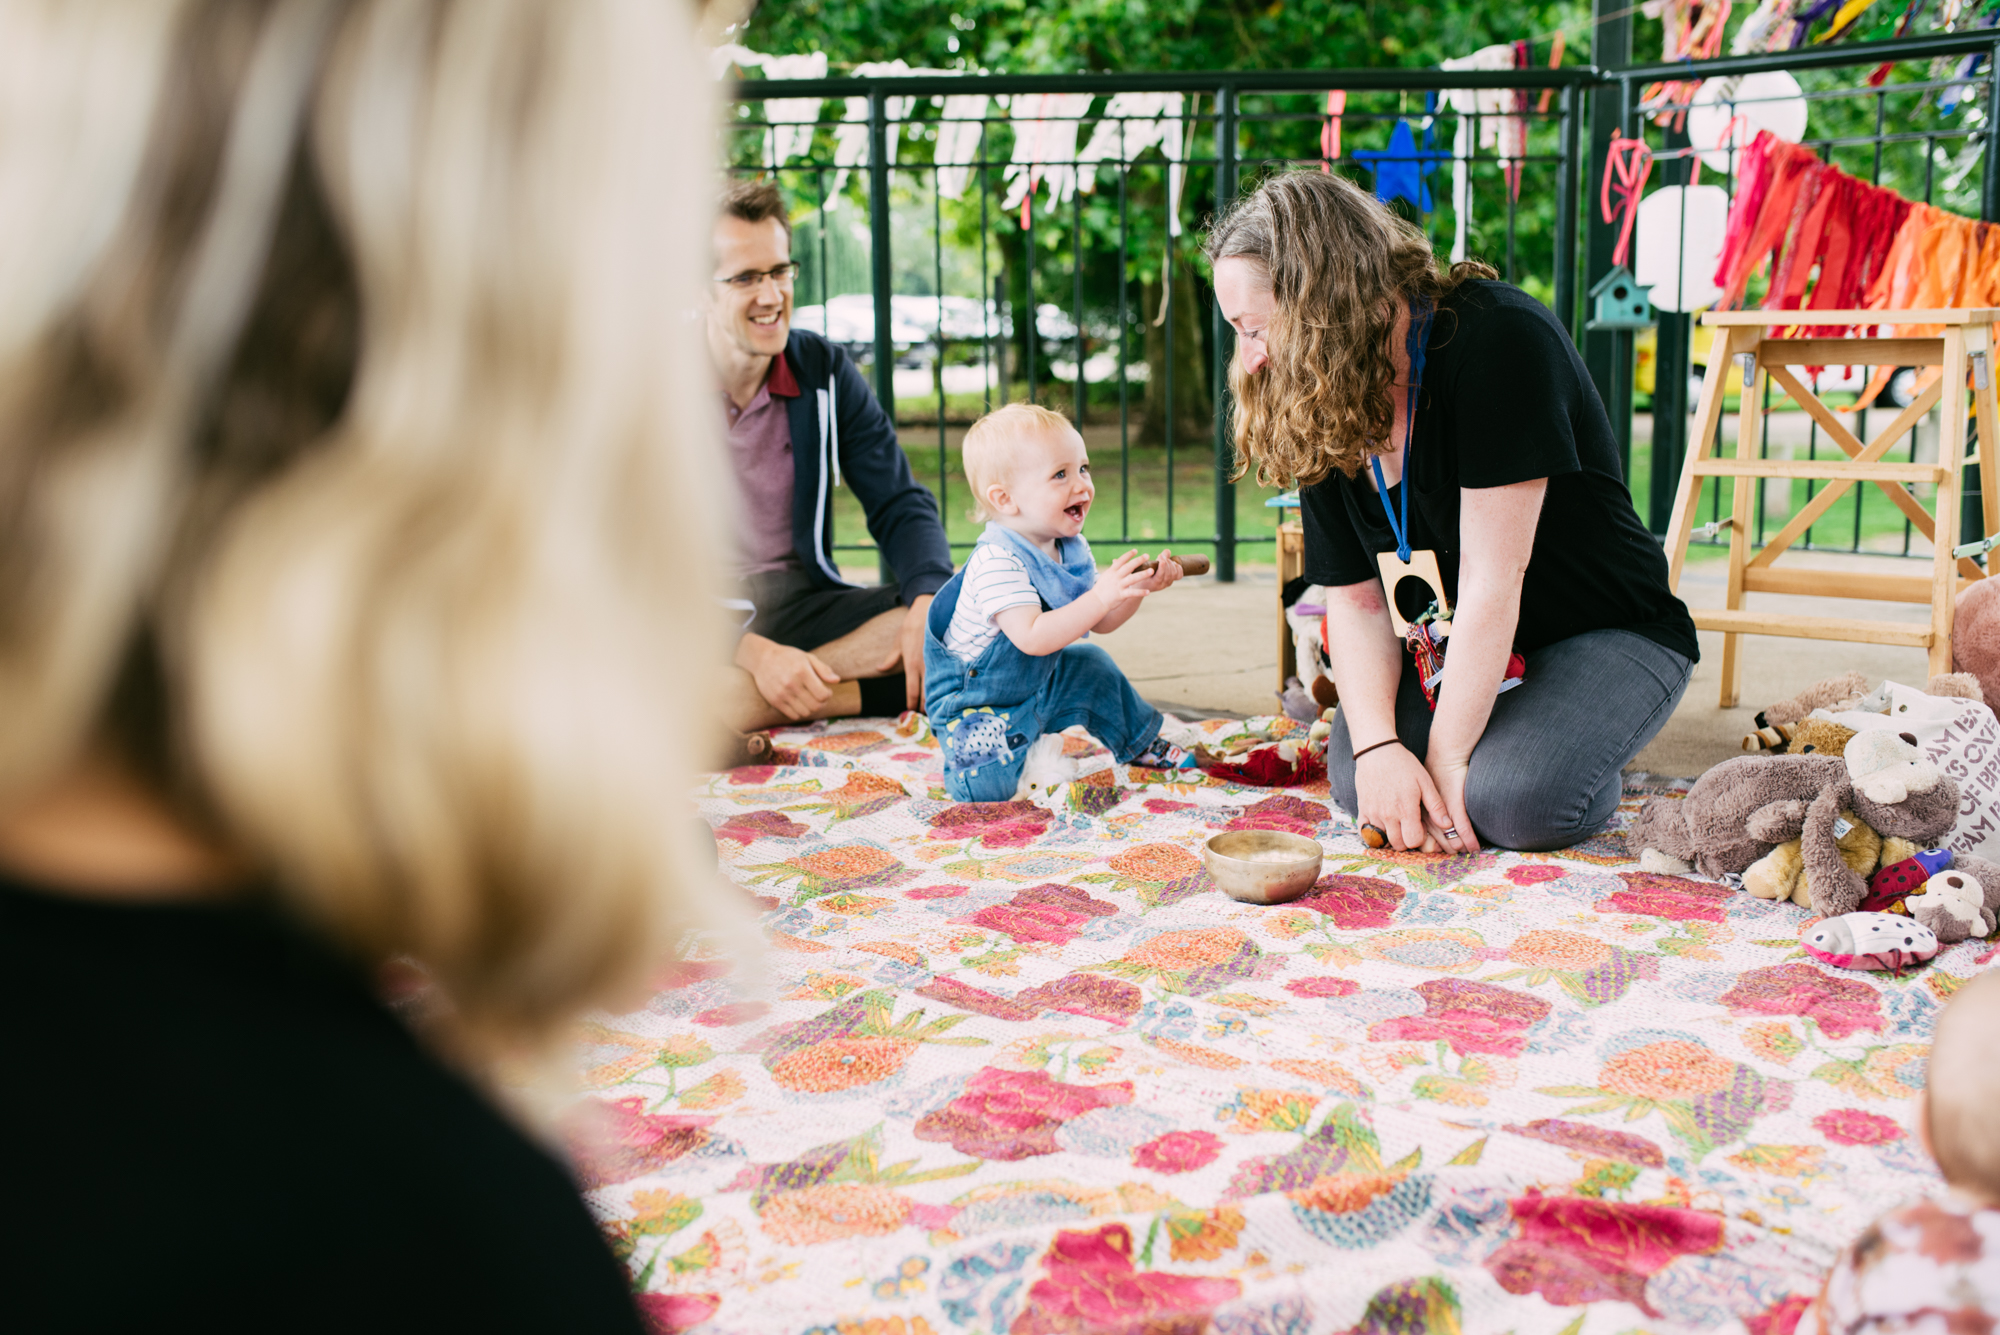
[(210, 1124), (1506, 398)]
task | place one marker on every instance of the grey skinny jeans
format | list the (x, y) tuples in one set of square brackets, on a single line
[(1546, 773)]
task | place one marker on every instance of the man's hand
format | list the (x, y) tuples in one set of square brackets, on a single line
[(910, 653), (792, 681)]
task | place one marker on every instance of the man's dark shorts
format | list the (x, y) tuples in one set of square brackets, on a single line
[(794, 612)]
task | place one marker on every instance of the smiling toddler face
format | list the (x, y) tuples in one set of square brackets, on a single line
[(1030, 472), (1050, 485)]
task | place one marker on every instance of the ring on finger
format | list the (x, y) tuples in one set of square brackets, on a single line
[(1374, 836), (1452, 833)]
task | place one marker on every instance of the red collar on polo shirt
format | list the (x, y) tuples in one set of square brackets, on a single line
[(781, 382)]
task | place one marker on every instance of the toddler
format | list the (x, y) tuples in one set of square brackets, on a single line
[(1923, 1266), (1003, 667)]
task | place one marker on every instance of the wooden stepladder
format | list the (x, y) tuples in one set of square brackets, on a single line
[(1745, 348)]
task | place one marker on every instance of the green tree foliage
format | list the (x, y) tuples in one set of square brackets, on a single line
[(1065, 36)]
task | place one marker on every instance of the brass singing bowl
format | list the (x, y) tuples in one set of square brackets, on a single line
[(1234, 863)]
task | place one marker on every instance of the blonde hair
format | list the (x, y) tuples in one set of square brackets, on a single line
[(1962, 1080), (992, 447), (347, 471), (1341, 266)]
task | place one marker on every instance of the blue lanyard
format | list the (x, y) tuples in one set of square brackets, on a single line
[(1418, 344)]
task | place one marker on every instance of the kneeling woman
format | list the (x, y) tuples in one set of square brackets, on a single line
[(1429, 412)]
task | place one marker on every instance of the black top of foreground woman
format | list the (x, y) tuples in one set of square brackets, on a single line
[(1506, 398), (243, 1138)]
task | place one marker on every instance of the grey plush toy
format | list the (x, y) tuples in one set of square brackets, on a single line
[(1735, 813)]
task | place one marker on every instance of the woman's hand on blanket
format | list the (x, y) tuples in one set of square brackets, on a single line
[(1394, 792), (792, 681), (1124, 582), (1448, 774)]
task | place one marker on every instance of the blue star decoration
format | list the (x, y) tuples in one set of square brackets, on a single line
[(1401, 168)]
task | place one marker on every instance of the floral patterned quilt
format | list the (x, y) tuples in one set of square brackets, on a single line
[(1005, 1069)]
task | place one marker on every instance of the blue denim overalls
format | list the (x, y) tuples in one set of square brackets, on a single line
[(988, 712)]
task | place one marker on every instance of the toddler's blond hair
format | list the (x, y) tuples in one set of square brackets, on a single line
[(992, 447), (1963, 1080)]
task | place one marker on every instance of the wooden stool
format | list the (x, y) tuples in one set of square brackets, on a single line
[(1967, 339), (1291, 564)]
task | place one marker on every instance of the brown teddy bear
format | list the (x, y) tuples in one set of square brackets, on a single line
[(1975, 635), (1740, 810), (1778, 725), (1895, 791), (1781, 873), (1735, 813)]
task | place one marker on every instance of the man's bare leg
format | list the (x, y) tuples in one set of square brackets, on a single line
[(745, 710), (857, 654), (862, 651)]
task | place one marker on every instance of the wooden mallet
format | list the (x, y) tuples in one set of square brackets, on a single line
[(1190, 565)]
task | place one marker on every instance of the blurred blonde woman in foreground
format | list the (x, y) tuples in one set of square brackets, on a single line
[(353, 496)]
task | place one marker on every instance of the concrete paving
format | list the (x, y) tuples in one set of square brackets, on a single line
[(1205, 649), (1212, 648)]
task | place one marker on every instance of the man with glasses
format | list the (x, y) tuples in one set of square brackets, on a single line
[(801, 422)]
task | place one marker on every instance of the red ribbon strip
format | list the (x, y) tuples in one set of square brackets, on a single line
[(1626, 168)]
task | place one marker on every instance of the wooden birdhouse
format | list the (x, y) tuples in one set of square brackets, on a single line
[(1616, 302)]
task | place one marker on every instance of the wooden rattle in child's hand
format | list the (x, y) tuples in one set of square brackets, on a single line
[(1190, 565)]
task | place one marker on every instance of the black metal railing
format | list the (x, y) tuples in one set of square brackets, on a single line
[(1089, 297), (1096, 251), (1889, 134)]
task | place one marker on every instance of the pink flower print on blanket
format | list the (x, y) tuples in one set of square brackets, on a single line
[(1014, 1114), (1574, 1250), (616, 1142), (748, 827), (1294, 815), (1852, 1126), (1090, 1284), (994, 824), (1675, 897), (1471, 1017), (1049, 913), (1178, 1152), (1354, 902), (1839, 1006)]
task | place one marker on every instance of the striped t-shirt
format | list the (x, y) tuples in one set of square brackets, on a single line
[(996, 578)]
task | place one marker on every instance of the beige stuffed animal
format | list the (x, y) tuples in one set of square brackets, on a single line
[(1781, 873)]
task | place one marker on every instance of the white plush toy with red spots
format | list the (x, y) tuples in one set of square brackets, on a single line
[(1871, 941)]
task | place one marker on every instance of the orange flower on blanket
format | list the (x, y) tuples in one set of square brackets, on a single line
[(855, 866), (863, 794), (1344, 1193), (1558, 950), (1203, 1235), (857, 1042), (1673, 1069), (1176, 952), (1159, 874), (832, 1211), (842, 1063), (1156, 862)]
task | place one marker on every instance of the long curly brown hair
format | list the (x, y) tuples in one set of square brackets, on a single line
[(1341, 266)]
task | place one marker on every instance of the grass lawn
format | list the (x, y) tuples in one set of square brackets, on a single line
[(1882, 528), (1131, 505)]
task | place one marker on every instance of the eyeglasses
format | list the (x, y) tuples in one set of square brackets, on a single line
[(754, 278)]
